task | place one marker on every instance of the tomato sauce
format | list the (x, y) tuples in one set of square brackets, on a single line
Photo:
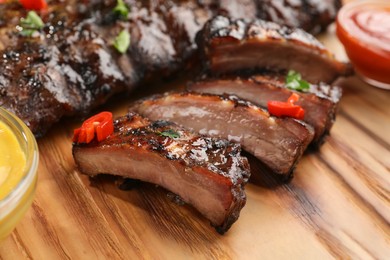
[(364, 29)]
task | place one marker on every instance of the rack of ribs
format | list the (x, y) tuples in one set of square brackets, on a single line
[(71, 67)]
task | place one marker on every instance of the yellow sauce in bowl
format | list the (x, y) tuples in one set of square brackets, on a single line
[(12, 161), (18, 171)]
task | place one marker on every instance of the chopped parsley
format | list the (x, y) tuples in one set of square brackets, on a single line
[(121, 9), (31, 24), (294, 81), (122, 41), (170, 133)]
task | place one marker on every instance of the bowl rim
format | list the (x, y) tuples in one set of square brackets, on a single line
[(353, 4), (32, 159)]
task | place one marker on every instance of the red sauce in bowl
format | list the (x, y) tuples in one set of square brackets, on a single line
[(364, 29)]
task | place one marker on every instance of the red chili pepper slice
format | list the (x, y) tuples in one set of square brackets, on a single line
[(99, 126), (293, 98), (34, 4), (76, 135), (279, 108)]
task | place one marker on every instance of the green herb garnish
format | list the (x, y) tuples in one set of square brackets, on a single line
[(121, 9), (31, 24), (122, 41), (294, 81), (170, 133)]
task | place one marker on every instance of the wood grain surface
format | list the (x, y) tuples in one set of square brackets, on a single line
[(336, 206)]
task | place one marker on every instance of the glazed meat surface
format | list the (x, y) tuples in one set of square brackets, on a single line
[(276, 142), (71, 66), (320, 102), (237, 46), (208, 173), (311, 15), (68, 71)]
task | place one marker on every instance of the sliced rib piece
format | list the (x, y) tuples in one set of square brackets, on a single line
[(231, 46), (277, 142), (208, 173), (320, 102)]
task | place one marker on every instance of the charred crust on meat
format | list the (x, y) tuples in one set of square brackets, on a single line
[(243, 46), (311, 15), (241, 29)]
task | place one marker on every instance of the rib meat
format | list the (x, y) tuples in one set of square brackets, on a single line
[(71, 66), (71, 69), (311, 15), (320, 102), (277, 142), (208, 173), (231, 46)]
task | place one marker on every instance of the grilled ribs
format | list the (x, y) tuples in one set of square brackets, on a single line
[(311, 15), (68, 69), (208, 173), (276, 142), (320, 101), (71, 66), (231, 46)]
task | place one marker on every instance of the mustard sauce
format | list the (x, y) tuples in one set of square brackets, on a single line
[(12, 161)]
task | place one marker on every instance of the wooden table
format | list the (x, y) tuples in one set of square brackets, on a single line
[(337, 205)]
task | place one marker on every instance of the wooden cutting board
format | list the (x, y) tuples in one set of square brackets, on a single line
[(336, 206)]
